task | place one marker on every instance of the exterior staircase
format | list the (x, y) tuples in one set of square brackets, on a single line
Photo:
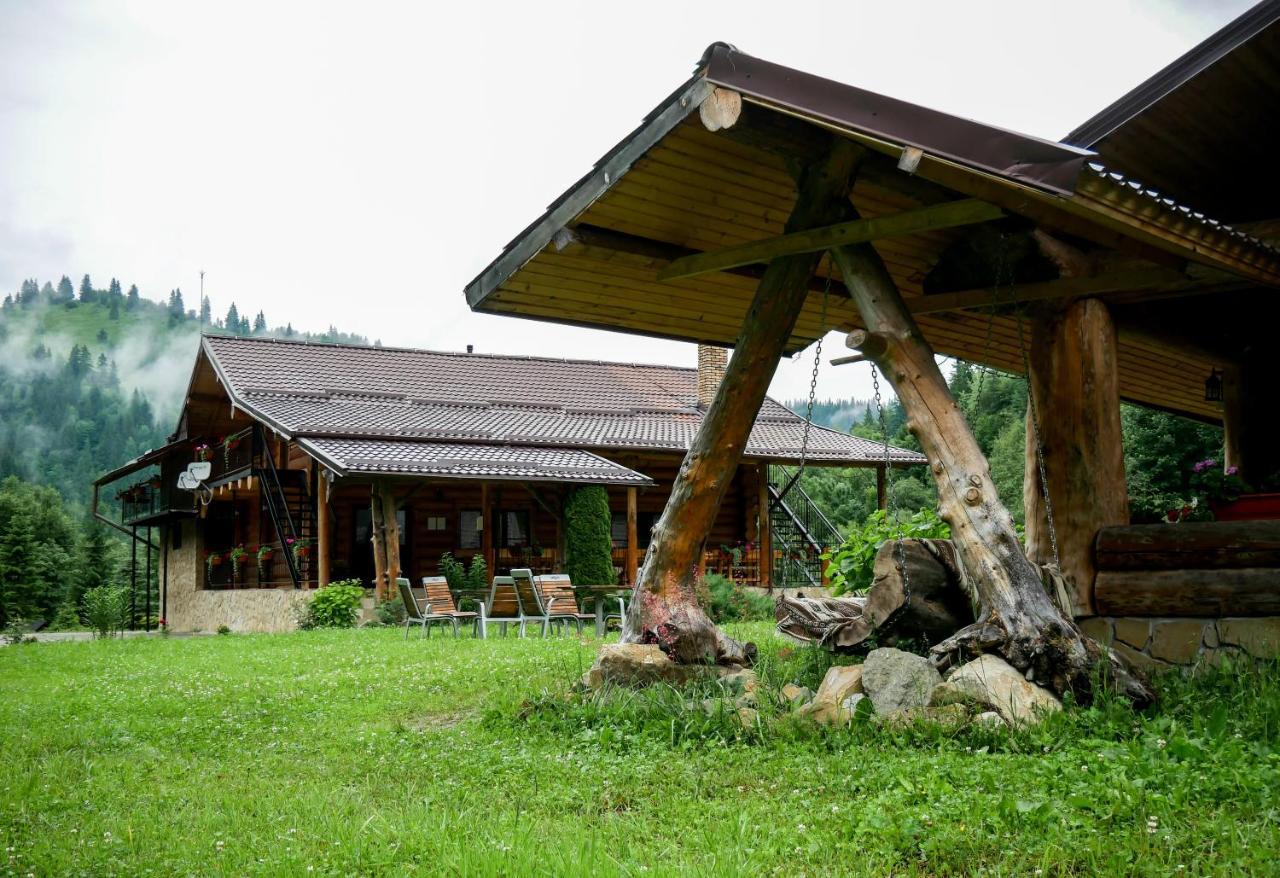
[(799, 532), (289, 506)]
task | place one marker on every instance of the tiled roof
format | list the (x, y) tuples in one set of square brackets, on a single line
[(309, 389), (471, 460)]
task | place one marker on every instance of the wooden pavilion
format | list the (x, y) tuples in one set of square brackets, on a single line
[(1087, 265)]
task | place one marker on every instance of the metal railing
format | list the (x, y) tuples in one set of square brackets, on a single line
[(800, 532)]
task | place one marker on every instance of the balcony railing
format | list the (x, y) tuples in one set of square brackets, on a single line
[(228, 457), (150, 498)]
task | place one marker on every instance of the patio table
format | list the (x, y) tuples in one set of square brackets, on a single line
[(598, 594)]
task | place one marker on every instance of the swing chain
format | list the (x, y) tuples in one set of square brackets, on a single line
[(900, 553), (813, 381), (1039, 445)]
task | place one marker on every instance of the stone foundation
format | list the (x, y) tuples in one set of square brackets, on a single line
[(1157, 642), (191, 607)]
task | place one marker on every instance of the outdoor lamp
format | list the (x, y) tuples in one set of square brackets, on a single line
[(1213, 386)]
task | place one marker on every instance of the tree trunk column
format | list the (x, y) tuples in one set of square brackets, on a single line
[(1251, 419), (632, 565), (1075, 388), (764, 532), (322, 528)]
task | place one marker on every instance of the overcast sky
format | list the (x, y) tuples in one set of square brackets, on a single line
[(357, 164)]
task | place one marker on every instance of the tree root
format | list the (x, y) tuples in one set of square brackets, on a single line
[(683, 631)]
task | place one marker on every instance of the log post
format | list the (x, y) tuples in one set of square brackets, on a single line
[(1251, 418), (882, 488), (764, 532), (1016, 618), (376, 536), (633, 541), (486, 530), (390, 537), (665, 609), (322, 528), (1075, 388)]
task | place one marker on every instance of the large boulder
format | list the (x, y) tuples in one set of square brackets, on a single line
[(991, 682), (895, 680), (635, 665), (837, 697)]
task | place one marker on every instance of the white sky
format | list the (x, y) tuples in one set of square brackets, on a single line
[(358, 164)]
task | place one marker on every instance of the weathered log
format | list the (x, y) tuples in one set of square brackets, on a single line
[(1251, 591), (665, 610), (927, 605), (1192, 545), (1016, 617), (1075, 389)]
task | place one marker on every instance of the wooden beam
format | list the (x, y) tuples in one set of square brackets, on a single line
[(764, 534), (882, 492), (909, 222), (1064, 288), (322, 529), (486, 529), (632, 566)]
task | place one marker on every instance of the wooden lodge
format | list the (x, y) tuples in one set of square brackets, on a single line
[(311, 446), (1135, 261)]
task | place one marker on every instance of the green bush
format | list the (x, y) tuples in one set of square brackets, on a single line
[(106, 609), (335, 606), (461, 577), (67, 617), (588, 542), (725, 601), (850, 567), (390, 611)]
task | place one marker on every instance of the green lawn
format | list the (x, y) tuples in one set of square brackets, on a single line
[(355, 753)]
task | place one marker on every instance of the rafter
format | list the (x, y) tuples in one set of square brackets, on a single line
[(1065, 288), (908, 222)]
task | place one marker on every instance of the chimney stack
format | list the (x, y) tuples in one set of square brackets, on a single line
[(471, 349), (712, 362)]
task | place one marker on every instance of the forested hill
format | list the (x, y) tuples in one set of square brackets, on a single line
[(91, 377), (838, 414)]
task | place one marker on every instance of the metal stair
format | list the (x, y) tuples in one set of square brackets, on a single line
[(799, 532), (286, 500)]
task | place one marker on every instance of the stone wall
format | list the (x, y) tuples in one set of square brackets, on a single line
[(1163, 642), (191, 607)]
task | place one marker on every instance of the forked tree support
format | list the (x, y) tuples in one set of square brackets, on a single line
[(665, 609), (1016, 617)]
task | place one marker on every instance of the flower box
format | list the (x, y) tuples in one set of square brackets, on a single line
[(1249, 507)]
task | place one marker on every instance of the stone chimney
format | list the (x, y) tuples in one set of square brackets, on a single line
[(712, 362)]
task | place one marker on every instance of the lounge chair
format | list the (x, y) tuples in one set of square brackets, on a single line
[(440, 602), (416, 613), (531, 608), (503, 606), (621, 615), (559, 600)]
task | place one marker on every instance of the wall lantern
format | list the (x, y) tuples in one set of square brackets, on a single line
[(1213, 386)]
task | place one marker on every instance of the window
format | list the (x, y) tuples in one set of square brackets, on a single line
[(363, 524), (513, 528), (436, 522), (644, 524), (470, 524)]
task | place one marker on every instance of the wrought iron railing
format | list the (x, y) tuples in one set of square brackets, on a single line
[(800, 532)]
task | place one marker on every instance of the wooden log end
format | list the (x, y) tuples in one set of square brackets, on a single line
[(721, 109)]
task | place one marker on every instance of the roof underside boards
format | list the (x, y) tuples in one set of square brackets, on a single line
[(355, 457), (684, 189), (317, 390), (1195, 128)]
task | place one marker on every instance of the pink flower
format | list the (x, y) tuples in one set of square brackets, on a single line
[(1232, 470)]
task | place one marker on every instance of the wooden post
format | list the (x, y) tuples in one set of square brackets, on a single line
[(1075, 388), (882, 488), (486, 529), (1251, 418), (376, 536), (764, 531), (1016, 617), (390, 536), (633, 541), (323, 547), (665, 609)]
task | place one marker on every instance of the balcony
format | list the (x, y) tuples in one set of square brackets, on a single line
[(229, 457), (150, 500)]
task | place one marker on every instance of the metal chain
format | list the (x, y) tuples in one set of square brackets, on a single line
[(813, 380), (1039, 449), (900, 555)]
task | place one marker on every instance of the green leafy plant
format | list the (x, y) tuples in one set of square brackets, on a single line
[(106, 609), (67, 617), (453, 571), (726, 601), (335, 606), (588, 541), (238, 556), (212, 562), (850, 566), (390, 611), (224, 629), (477, 577)]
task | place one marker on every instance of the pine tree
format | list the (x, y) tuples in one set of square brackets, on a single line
[(245, 328), (114, 313), (233, 319), (66, 292), (177, 310), (86, 290), (46, 292), (206, 311), (102, 336), (131, 301), (28, 293), (17, 556), (114, 290), (260, 324), (8, 302), (96, 561)]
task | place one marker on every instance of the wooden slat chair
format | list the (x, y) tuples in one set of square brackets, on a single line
[(560, 601), (440, 602), (531, 606), (503, 606), (416, 613)]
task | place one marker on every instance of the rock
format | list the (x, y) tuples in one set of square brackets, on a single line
[(739, 681), (1134, 632), (990, 718), (839, 683), (796, 696), (993, 683), (641, 664), (1259, 637), (747, 717), (895, 680), (1176, 641), (949, 716), (1097, 627), (828, 713), (1139, 660)]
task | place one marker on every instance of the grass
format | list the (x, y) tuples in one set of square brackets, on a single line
[(355, 753)]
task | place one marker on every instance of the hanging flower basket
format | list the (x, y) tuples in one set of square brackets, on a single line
[(228, 448), (202, 451), (301, 549), (212, 562)]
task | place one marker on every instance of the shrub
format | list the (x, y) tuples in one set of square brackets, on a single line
[(106, 609), (588, 543), (390, 611), (850, 567), (725, 601), (67, 617), (224, 629), (453, 571), (335, 606)]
